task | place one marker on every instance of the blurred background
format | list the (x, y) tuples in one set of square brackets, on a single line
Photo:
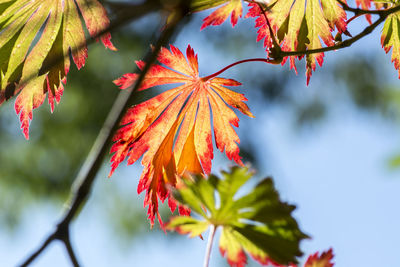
[(332, 148)]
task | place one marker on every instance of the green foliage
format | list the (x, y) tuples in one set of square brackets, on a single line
[(394, 162), (258, 223)]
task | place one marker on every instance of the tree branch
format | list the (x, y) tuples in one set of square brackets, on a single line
[(83, 183), (34, 255), (360, 11), (70, 251)]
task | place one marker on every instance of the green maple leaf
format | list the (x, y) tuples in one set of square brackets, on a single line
[(221, 14), (391, 38), (200, 5), (258, 223), (36, 38)]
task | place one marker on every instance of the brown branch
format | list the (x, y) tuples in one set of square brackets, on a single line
[(353, 18), (70, 251), (34, 255), (83, 182), (360, 11)]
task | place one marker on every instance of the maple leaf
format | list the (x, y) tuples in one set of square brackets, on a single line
[(391, 38), (32, 68), (298, 26), (173, 129), (233, 7), (257, 223), (220, 15), (366, 5), (323, 260)]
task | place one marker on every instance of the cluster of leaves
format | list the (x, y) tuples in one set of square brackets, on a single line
[(38, 36), (257, 223), (290, 26), (173, 130), (299, 26)]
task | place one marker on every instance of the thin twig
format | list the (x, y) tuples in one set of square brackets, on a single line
[(85, 178), (71, 252), (360, 11), (33, 256), (204, 79), (353, 18)]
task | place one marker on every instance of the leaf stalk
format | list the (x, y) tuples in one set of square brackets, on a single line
[(234, 64), (210, 241)]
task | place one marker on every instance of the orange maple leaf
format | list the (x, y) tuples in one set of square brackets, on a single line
[(323, 260), (173, 129), (234, 7)]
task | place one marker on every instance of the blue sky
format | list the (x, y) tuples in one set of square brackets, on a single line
[(346, 199), (336, 173)]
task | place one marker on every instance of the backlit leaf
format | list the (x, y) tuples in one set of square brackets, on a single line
[(257, 223), (173, 130), (323, 260), (188, 225), (233, 8), (36, 37), (365, 4), (299, 25), (200, 5), (391, 38)]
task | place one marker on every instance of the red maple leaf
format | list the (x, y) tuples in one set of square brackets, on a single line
[(173, 130), (366, 5), (323, 260), (234, 7)]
